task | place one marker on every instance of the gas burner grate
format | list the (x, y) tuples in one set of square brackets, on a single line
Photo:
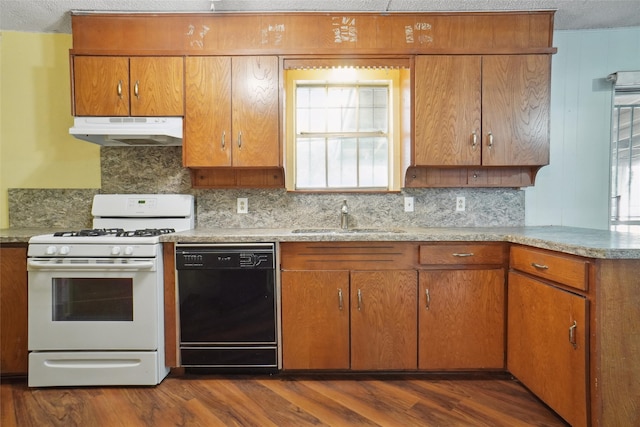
[(89, 232), (146, 232)]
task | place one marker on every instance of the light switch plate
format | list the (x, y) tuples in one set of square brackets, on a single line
[(408, 204)]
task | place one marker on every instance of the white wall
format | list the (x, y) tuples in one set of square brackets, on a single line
[(574, 189)]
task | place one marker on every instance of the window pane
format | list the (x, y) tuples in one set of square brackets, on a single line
[(373, 162), (625, 161), (310, 163), (342, 162)]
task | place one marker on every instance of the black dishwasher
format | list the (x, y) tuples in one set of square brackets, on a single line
[(228, 313)]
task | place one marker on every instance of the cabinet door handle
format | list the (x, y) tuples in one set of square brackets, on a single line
[(539, 266), (340, 299), (222, 141), (119, 89), (572, 334), (136, 89), (463, 255), (490, 139), (239, 139), (474, 139), (427, 299), (359, 300)]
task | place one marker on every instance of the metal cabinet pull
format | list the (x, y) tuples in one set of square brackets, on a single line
[(572, 334), (539, 266), (490, 139), (340, 299), (222, 142), (474, 139), (427, 299), (463, 255), (359, 300), (136, 89), (119, 90), (239, 139)]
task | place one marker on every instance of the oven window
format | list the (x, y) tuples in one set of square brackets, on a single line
[(92, 299)]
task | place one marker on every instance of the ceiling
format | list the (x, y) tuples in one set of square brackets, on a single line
[(52, 16)]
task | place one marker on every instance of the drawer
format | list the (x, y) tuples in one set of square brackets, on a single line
[(462, 254), (562, 268)]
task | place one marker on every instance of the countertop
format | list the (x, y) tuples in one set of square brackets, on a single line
[(578, 241)]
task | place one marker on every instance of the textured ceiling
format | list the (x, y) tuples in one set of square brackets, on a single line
[(52, 16)]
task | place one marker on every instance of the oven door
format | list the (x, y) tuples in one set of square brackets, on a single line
[(93, 304)]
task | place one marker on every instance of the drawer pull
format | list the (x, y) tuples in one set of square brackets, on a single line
[(427, 299), (572, 334), (539, 266), (340, 299), (463, 255)]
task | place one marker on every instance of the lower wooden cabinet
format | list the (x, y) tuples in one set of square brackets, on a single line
[(461, 319), (13, 310), (548, 344), (383, 320), (315, 319), (340, 320)]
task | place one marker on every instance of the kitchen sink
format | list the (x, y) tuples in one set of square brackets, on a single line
[(347, 231)]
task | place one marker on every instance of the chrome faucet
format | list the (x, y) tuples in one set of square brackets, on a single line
[(344, 215)]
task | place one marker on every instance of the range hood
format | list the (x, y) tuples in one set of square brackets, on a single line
[(129, 131)]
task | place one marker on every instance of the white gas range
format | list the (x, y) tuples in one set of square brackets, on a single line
[(96, 296)]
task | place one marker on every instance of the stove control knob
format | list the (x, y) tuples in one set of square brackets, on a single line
[(64, 250), (51, 250), (116, 250), (128, 250)]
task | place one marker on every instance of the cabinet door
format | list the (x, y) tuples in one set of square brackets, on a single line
[(515, 110), (461, 315), (157, 86), (447, 110), (101, 86), (384, 320), (547, 345), (207, 125), (13, 311), (315, 319), (255, 111)]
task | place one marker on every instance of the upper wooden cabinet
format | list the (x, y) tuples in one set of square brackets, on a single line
[(232, 112), (482, 110), (128, 86)]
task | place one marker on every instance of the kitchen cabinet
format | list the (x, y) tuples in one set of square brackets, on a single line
[(349, 305), (490, 110), (548, 323), (13, 309), (315, 323), (128, 86), (232, 112), (462, 306), (383, 320)]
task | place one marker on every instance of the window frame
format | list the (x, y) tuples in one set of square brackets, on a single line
[(344, 76)]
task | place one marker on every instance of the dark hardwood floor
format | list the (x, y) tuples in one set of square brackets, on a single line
[(281, 400)]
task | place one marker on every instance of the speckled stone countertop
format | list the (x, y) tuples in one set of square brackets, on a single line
[(578, 241)]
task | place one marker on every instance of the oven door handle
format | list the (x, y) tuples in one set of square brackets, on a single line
[(133, 265)]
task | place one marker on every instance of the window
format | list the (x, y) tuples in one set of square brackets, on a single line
[(625, 160), (340, 134)]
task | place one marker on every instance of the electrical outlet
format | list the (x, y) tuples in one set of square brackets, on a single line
[(243, 205), (408, 204), (461, 204)]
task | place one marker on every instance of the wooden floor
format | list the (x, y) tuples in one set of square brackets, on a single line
[(281, 400)]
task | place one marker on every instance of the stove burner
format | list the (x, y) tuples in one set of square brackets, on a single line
[(146, 232), (91, 232), (117, 232)]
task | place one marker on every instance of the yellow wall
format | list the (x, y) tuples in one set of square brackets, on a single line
[(36, 150)]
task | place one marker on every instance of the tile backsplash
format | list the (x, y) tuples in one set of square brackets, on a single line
[(159, 170)]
